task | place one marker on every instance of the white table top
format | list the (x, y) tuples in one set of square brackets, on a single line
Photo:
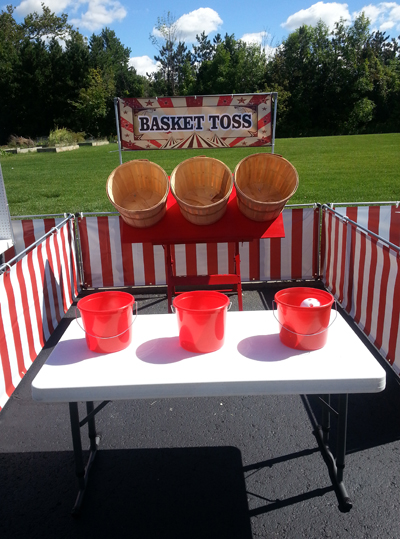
[(252, 361)]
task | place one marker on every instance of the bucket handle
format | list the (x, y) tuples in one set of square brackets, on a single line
[(228, 308), (113, 336), (303, 334)]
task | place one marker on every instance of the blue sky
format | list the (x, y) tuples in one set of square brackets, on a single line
[(259, 21)]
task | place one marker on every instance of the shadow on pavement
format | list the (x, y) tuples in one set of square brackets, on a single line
[(152, 493)]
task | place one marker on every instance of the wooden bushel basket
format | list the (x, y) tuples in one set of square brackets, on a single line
[(264, 183), (202, 186), (138, 190)]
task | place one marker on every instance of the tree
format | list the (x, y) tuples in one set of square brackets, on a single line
[(176, 74), (24, 65), (233, 67), (110, 60), (204, 51), (57, 78), (383, 60), (73, 70), (93, 102), (340, 82)]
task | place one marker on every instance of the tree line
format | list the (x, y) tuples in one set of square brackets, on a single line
[(336, 82)]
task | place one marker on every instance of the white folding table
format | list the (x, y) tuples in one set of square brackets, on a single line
[(252, 361)]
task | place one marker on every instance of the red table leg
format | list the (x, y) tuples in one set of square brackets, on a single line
[(234, 280), (237, 271)]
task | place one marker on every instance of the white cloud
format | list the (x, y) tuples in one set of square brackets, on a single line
[(143, 64), (329, 13), (386, 26), (201, 20), (259, 38), (372, 12), (100, 13), (383, 16), (29, 6), (189, 25)]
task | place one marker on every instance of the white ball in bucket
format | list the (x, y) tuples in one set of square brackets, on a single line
[(310, 302)]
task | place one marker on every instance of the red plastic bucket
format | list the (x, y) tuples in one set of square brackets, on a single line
[(107, 320), (201, 320), (303, 328)]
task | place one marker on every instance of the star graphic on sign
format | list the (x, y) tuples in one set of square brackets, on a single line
[(148, 146), (241, 100), (149, 103), (264, 108)]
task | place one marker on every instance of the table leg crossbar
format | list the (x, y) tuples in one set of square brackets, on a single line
[(82, 471), (335, 465)]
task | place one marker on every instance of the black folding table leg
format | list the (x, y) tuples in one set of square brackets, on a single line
[(341, 449), (82, 471), (77, 444), (326, 419), (335, 465), (93, 437)]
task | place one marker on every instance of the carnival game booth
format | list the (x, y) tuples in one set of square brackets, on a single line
[(321, 243), (352, 249)]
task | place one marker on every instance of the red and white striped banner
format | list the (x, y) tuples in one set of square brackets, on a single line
[(35, 293), (109, 262), (363, 274)]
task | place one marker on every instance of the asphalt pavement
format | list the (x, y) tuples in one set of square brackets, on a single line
[(207, 468)]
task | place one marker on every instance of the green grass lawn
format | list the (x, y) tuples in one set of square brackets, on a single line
[(363, 168)]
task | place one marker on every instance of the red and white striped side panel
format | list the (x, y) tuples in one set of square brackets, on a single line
[(109, 262), (34, 295), (382, 220), (364, 276), (27, 231)]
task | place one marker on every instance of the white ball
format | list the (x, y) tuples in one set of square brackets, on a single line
[(310, 302)]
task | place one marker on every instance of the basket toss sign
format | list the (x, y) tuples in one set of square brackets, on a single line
[(217, 121)]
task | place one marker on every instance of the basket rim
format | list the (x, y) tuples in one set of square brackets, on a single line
[(142, 161), (162, 202), (275, 202), (274, 156), (215, 204)]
